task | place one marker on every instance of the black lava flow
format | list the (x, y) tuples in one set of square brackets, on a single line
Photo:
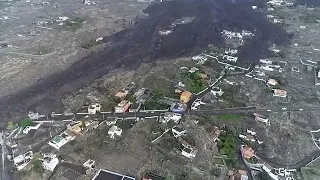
[(142, 44)]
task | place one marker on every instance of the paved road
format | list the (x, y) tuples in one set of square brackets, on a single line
[(305, 161)]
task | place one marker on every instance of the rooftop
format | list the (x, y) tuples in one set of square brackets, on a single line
[(57, 139), (109, 175)]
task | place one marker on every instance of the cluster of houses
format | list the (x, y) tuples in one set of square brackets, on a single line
[(188, 150), (250, 136), (240, 35), (268, 65), (281, 2), (69, 134), (262, 118), (140, 96)]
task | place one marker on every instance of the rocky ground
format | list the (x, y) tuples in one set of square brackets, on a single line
[(38, 46), (136, 45)]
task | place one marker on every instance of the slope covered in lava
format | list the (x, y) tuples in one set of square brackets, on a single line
[(143, 44)]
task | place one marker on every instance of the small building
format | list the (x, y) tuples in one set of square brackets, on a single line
[(143, 95), (247, 152), (196, 103), (185, 96), (58, 141), (165, 32), (189, 152), (317, 78), (215, 133), (241, 175), (178, 131), (135, 107), (217, 91), (261, 118), (199, 59), (114, 130), (230, 58), (178, 108), (193, 70), (279, 93), (76, 127), (121, 94), (175, 117), (103, 174), (27, 129), (231, 51), (129, 87), (94, 108), (251, 132), (23, 160), (122, 107), (89, 164), (50, 161), (247, 137), (272, 82)]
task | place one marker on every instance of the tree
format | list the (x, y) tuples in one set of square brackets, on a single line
[(10, 125), (131, 99), (264, 176), (37, 166), (216, 172), (24, 123), (83, 124)]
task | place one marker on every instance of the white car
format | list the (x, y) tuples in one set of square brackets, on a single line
[(284, 108)]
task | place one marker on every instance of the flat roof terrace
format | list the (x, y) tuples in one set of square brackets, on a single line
[(109, 175)]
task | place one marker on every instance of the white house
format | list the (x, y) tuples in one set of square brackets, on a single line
[(27, 129), (217, 91), (50, 161), (175, 117), (178, 131), (230, 58), (114, 130), (23, 160), (89, 164), (189, 153), (94, 108), (58, 141)]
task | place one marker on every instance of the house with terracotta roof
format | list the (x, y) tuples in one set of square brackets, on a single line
[(247, 152), (123, 106), (185, 96), (279, 93), (121, 94)]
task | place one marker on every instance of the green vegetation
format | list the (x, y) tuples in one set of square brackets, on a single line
[(125, 124), (230, 100), (131, 98), (218, 161), (215, 172), (264, 176), (227, 144), (24, 123), (231, 117), (110, 103), (11, 125), (194, 82), (37, 166), (152, 104), (74, 24)]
